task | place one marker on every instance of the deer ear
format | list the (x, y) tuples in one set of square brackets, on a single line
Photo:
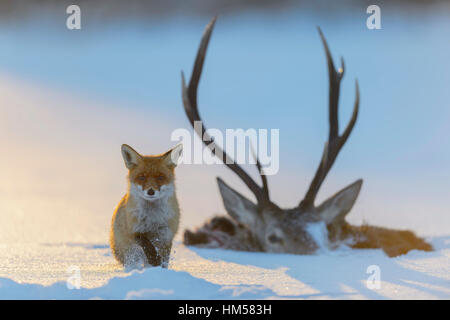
[(238, 207), (130, 156), (339, 205)]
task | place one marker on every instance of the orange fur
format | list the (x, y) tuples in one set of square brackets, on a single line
[(144, 224)]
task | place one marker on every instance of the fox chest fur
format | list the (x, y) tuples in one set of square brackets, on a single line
[(159, 217), (148, 225)]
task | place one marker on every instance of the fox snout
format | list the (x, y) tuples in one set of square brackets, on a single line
[(151, 193)]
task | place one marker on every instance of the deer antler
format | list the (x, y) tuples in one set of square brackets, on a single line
[(191, 108), (335, 142)]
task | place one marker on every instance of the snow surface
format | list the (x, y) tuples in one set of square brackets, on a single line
[(220, 274)]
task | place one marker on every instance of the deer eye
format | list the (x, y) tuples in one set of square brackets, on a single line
[(275, 239)]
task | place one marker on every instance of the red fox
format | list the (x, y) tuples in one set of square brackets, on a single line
[(146, 219)]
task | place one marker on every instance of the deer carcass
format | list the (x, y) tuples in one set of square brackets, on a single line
[(264, 226)]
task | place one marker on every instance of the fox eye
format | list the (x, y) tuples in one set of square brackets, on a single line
[(275, 239), (141, 177), (160, 177)]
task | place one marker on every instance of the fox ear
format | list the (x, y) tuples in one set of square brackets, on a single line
[(173, 155), (130, 156)]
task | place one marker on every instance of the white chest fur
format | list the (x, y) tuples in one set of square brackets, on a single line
[(153, 216)]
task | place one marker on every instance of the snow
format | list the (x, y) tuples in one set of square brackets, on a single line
[(318, 231), (55, 213), (41, 272)]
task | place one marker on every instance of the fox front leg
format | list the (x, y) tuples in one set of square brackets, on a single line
[(150, 249), (165, 254), (135, 257)]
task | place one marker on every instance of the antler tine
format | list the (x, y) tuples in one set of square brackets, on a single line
[(335, 78), (352, 121), (335, 142), (191, 108), (198, 67), (261, 173)]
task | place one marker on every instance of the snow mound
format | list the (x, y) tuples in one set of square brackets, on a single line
[(154, 283)]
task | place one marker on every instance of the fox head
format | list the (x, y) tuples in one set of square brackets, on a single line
[(151, 177)]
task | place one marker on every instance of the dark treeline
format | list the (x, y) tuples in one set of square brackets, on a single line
[(113, 9)]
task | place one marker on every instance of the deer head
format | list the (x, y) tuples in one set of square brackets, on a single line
[(298, 230)]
